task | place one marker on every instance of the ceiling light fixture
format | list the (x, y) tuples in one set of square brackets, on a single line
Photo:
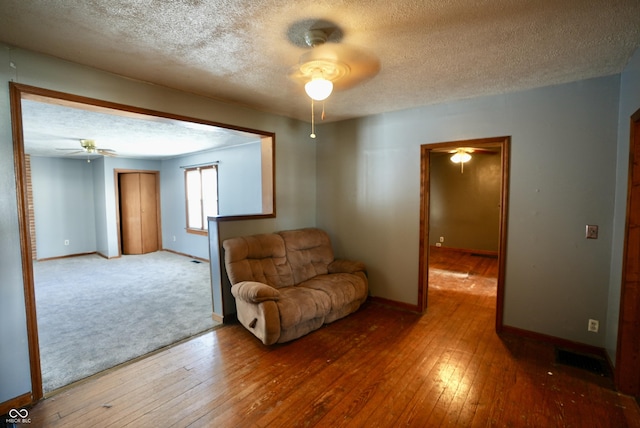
[(319, 88), (329, 65), (321, 74), (461, 156)]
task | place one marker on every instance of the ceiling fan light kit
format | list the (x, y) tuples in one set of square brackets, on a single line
[(319, 88), (461, 156), (326, 64)]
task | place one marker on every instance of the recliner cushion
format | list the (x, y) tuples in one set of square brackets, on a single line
[(309, 252), (345, 290), (298, 305), (259, 258)]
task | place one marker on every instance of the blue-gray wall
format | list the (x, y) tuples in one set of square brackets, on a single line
[(562, 177), (71, 198), (629, 104), (568, 169), (64, 207), (239, 192)]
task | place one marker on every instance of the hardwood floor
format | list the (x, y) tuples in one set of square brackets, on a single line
[(463, 272), (379, 367)]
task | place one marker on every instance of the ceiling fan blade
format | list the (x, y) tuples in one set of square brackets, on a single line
[(74, 153), (106, 152), (360, 64)]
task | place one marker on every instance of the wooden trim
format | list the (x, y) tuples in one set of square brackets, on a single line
[(465, 250), (68, 256), (268, 139), (25, 243), (186, 255), (102, 106), (241, 217), (104, 256), (116, 187), (423, 254), (395, 304), (18, 402), (558, 342), (505, 157), (196, 231), (503, 143), (627, 371)]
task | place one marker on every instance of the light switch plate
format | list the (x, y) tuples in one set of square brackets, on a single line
[(592, 231)]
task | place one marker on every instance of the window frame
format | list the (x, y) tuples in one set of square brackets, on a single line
[(204, 230)]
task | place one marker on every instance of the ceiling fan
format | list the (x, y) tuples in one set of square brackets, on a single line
[(328, 65), (462, 155), (89, 147)]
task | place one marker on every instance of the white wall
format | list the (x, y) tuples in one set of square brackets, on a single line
[(563, 176), (295, 175)]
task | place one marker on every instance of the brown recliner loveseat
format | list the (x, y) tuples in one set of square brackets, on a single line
[(288, 284)]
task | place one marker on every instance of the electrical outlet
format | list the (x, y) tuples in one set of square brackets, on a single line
[(438, 244), (66, 242), (592, 231), (593, 326)]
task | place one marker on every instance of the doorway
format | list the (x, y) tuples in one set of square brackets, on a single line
[(489, 245), (139, 211), (61, 117)]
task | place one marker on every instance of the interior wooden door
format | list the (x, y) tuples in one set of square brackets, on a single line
[(139, 212), (149, 213)]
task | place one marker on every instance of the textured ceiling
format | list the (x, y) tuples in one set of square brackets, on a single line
[(241, 51), (52, 129)]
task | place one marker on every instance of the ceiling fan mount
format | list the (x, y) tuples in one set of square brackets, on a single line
[(88, 146), (315, 37), (328, 64)]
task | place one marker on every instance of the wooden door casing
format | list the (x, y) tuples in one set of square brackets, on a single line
[(628, 352)]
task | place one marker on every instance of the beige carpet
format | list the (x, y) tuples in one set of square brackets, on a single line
[(95, 313)]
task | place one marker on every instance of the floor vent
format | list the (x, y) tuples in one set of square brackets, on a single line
[(592, 363), (196, 261)]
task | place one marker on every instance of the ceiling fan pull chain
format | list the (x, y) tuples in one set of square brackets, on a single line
[(322, 110), (313, 123)]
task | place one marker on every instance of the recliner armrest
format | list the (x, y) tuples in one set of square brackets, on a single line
[(346, 266), (254, 292)]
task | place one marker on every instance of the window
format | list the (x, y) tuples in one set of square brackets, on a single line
[(202, 196)]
